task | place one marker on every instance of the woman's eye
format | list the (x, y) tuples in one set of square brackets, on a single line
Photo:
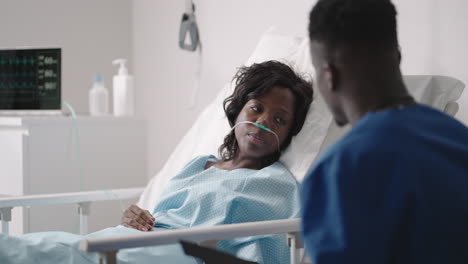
[(280, 120), (254, 108)]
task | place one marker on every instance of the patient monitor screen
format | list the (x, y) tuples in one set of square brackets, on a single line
[(30, 79)]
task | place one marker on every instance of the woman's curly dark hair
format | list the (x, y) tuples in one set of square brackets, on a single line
[(256, 80)]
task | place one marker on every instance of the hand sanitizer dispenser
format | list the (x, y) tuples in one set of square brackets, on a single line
[(124, 91)]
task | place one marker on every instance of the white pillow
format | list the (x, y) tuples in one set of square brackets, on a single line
[(436, 91), (440, 92), (274, 46)]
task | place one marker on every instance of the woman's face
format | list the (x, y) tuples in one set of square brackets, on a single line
[(275, 110)]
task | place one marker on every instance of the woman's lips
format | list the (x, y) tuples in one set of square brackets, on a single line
[(256, 138)]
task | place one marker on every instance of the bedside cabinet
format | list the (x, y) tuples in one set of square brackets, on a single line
[(56, 154)]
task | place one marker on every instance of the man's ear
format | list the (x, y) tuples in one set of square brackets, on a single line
[(330, 77), (399, 55)]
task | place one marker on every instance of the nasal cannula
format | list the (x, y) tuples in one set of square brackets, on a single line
[(262, 127)]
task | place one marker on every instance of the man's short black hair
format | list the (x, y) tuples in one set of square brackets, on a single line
[(354, 23)]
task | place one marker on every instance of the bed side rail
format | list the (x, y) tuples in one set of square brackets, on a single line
[(108, 247), (82, 199)]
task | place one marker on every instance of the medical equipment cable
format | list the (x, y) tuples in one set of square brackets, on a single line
[(78, 151), (198, 74), (262, 127), (76, 139), (79, 160)]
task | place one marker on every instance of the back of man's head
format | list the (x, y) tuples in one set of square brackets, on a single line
[(355, 52), (369, 24)]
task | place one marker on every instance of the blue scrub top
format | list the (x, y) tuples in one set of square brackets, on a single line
[(393, 190)]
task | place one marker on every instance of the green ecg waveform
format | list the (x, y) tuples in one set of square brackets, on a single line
[(25, 61)]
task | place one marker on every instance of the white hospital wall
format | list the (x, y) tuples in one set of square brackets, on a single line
[(430, 35), (91, 34), (434, 41)]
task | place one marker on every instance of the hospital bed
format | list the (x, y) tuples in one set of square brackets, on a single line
[(319, 131)]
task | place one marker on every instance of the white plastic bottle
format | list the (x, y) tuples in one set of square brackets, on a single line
[(98, 98), (124, 91)]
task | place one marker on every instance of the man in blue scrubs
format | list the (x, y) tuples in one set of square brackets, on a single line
[(395, 188)]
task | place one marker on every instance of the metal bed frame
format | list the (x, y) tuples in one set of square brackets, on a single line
[(107, 248)]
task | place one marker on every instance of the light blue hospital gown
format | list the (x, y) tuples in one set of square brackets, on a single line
[(194, 197)]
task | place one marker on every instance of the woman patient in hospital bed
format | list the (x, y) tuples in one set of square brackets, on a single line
[(267, 108)]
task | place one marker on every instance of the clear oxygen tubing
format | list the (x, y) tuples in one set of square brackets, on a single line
[(190, 8), (262, 127), (76, 138)]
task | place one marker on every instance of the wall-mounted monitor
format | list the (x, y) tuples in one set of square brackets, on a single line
[(30, 81)]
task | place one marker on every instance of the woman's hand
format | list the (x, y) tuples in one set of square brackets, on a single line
[(137, 218)]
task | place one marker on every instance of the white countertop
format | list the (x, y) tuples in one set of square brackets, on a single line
[(21, 121)]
